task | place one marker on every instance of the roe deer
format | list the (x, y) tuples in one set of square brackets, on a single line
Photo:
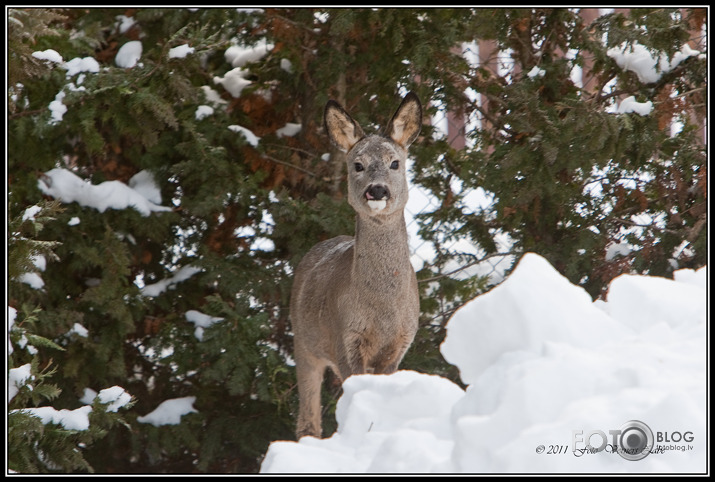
[(354, 305)]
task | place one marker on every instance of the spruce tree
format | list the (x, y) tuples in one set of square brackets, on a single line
[(213, 131)]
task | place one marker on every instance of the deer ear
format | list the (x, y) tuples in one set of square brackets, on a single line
[(342, 130), (406, 124)]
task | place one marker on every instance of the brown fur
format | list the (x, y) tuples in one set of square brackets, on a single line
[(355, 305)]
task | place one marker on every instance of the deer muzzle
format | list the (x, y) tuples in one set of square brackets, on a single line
[(377, 196)]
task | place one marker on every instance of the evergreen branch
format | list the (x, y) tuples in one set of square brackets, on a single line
[(294, 149), (469, 265), (26, 113), (288, 164), (652, 226)]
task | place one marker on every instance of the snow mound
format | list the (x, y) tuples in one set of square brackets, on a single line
[(552, 379)]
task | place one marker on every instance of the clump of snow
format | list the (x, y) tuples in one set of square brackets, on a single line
[(143, 183), (250, 137), (68, 187), (629, 104), (234, 81), (11, 315), (77, 419), (57, 108), (203, 111), (536, 72), (545, 369), (88, 396), (31, 212), (638, 59), (128, 54), (17, 378), (79, 330), (33, 278), (169, 412), (201, 321), (239, 56), (124, 23), (212, 96), (115, 396), (49, 55), (614, 250), (155, 289), (289, 130), (78, 65), (287, 65), (180, 52)]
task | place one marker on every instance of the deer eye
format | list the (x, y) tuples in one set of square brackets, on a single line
[(395, 165), (359, 167)]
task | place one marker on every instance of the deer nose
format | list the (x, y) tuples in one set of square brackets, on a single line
[(377, 192)]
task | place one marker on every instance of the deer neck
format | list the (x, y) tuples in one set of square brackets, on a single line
[(381, 248)]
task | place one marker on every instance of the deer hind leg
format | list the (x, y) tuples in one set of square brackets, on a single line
[(309, 371), (389, 357), (354, 358)]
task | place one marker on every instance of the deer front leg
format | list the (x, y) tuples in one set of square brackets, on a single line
[(309, 372)]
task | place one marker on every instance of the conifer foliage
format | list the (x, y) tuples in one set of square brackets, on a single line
[(167, 169)]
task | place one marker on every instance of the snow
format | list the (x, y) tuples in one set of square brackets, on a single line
[(547, 371), (180, 52), (238, 56), (78, 65), (536, 72), (203, 111), (31, 212), (155, 289), (34, 279), (250, 137), (234, 81), (68, 187), (79, 330), (115, 396), (144, 184), (169, 412), (287, 66), (11, 315), (289, 130), (49, 55), (201, 320), (77, 419), (16, 379), (638, 59), (57, 108), (629, 104), (124, 23), (128, 54), (212, 96)]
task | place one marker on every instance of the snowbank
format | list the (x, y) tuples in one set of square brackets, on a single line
[(553, 380)]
